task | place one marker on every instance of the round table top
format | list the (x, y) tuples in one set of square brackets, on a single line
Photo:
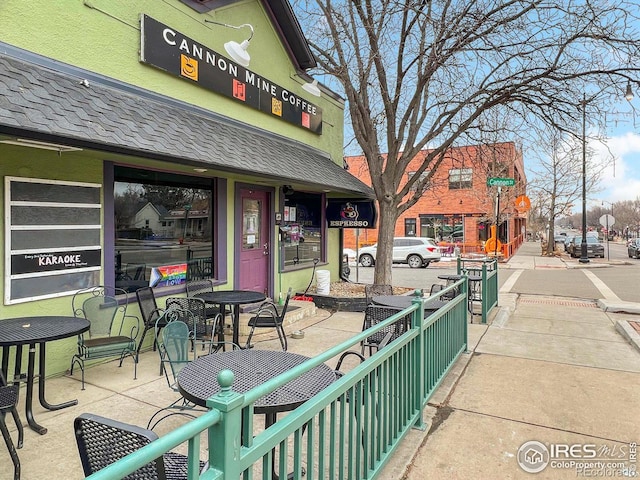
[(37, 329), (404, 301), (474, 277), (232, 297), (198, 380)]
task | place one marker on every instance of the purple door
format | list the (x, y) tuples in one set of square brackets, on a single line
[(255, 248)]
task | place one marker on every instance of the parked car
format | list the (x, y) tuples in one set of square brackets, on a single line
[(594, 247), (634, 248), (414, 251)]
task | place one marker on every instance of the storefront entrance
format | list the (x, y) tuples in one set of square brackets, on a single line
[(255, 243)]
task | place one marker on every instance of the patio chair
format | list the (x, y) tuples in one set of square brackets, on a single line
[(175, 349), (112, 333), (8, 402), (202, 328), (150, 313), (270, 315), (102, 441), (194, 287), (375, 314), (376, 289)]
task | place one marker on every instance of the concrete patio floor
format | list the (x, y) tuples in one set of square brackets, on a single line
[(112, 392)]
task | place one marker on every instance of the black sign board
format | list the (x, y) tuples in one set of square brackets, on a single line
[(177, 54), (51, 261), (347, 213)]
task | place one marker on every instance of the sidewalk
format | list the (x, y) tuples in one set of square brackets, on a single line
[(551, 370)]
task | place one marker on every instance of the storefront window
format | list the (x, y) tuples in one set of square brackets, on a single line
[(163, 228), (301, 229)]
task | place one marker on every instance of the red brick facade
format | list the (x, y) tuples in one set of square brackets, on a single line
[(458, 199)]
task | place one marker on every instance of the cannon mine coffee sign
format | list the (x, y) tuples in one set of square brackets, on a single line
[(167, 49)]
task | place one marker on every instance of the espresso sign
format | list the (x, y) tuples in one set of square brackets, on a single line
[(166, 48), (346, 213), (48, 262)]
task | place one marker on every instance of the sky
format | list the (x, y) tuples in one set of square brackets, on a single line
[(621, 180)]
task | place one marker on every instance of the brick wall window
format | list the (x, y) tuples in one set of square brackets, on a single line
[(409, 227), (460, 178), (423, 175)]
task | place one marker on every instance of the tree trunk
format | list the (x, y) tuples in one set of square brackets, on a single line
[(386, 231)]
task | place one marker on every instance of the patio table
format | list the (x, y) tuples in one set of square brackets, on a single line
[(234, 298), (198, 380), (404, 301), (36, 331)]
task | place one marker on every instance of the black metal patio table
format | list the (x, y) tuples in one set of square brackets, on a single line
[(198, 380), (404, 301), (36, 331), (234, 298)]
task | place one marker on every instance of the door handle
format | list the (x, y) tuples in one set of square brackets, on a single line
[(265, 249)]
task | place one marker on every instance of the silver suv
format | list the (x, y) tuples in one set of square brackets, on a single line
[(414, 251)]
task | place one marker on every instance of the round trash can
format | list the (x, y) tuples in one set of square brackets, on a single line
[(323, 281)]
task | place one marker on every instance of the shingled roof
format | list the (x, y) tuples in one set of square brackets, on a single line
[(50, 101)]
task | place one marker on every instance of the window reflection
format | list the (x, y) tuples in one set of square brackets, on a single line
[(301, 232), (161, 222)]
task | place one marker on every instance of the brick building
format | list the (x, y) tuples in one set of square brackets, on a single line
[(458, 207)]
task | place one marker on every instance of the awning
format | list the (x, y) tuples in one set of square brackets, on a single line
[(46, 100)]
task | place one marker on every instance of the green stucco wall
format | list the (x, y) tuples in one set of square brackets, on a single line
[(103, 36)]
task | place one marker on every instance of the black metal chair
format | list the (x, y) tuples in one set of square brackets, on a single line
[(109, 334), (150, 313), (8, 402), (375, 314), (376, 289), (270, 315), (102, 441), (203, 329), (194, 287)]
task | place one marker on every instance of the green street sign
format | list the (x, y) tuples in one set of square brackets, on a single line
[(500, 182)]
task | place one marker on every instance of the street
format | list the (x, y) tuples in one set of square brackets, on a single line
[(620, 276)]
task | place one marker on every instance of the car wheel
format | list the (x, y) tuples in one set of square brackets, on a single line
[(630, 256), (366, 260), (414, 261)]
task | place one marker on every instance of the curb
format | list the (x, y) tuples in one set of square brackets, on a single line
[(628, 332)]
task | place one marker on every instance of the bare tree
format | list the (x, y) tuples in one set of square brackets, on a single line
[(419, 74), (558, 178)]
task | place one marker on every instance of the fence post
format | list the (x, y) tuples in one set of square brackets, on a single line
[(420, 358), (484, 288), (225, 436)]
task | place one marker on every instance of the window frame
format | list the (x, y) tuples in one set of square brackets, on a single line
[(218, 187), (458, 178)]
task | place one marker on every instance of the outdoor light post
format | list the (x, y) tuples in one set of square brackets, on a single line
[(583, 243)]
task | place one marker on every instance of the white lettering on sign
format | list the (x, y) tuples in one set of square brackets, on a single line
[(59, 260), (348, 223)]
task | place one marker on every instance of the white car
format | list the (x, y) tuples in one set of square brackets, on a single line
[(415, 251)]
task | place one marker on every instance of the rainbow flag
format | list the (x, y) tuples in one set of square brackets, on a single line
[(167, 275)]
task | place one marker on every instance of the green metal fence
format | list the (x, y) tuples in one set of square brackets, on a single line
[(348, 431), (488, 269)]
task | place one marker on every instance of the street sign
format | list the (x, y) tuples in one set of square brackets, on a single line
[(607, 220), (500, 182)]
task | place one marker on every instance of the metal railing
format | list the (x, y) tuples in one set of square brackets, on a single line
[(348, 431), (488, 269)]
